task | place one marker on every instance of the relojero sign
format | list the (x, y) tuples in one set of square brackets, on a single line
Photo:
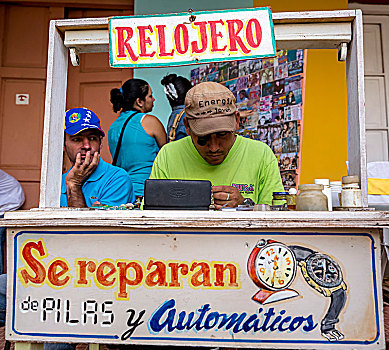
[(190, 38)]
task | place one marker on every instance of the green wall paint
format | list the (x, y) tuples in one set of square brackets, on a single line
[(154, 75)]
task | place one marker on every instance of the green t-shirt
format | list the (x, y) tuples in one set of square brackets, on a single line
[(250, 166)]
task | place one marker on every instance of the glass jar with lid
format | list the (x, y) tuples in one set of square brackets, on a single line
[(279, 200), (311, 198), (291, 199), (351, 194)]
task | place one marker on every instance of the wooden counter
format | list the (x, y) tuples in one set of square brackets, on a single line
[(195, 219)]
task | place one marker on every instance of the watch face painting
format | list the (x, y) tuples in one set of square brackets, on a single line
[(324, 270), (275, 266)]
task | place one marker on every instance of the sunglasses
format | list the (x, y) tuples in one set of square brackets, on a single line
[(202, 140)]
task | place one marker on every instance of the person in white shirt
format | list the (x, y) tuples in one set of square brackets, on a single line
[(11, 193), (11, 198)]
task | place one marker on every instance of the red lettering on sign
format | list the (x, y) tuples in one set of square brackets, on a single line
[(36, 273), (215, 34), (253, 40), (37, 268), (143, 41), (181, 39), (83, 265), (220, 269), (203, 38), (124, 45), (233, 35), (105, 270), (124, 281), (54, 275), (157, 277), (174, 274), (204, 272), (162, 42)]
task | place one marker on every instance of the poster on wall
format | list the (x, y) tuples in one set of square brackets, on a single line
[(269, 95), (237, 289)]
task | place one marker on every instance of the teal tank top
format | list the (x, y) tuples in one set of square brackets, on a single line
[(138, 149)]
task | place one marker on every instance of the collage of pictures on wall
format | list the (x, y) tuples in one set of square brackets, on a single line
[(269, 96)]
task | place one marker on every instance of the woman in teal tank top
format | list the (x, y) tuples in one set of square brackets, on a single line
[(143, 135)]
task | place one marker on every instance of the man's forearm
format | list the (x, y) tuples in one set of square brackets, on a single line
[(75, 196)]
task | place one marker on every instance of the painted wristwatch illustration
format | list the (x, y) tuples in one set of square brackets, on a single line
[(272, 266)]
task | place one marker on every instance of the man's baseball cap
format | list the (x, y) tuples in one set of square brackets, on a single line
[(210, 107), (80, 119)]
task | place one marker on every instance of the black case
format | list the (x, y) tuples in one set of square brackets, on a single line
[(177, 195)]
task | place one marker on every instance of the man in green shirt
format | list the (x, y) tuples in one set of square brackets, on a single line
[(242, 171)]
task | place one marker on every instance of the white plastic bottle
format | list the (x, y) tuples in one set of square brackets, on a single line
[(336, 190), (326, 190)]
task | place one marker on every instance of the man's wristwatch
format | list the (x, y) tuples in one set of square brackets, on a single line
[(248, 202)]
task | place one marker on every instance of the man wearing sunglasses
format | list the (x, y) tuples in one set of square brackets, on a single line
[(242, 171)]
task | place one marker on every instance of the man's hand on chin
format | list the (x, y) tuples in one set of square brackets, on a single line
[(226, 196), (80, 171)]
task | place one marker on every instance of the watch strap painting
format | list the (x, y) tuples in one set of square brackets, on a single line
[(328, 330), (337, 294)]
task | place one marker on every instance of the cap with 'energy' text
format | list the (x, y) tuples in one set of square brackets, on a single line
[(210, 107), (80, 119)]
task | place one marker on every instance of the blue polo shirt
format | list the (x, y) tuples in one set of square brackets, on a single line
[(108, 184)]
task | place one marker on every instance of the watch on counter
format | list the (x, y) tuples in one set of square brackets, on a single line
[(248, 202)]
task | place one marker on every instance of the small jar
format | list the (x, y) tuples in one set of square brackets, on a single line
[(279, 200), (291, 199), (351, 194), (311, 197)]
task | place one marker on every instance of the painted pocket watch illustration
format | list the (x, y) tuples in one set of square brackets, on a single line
[(272, 266)]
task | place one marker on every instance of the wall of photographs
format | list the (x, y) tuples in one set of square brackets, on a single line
[(269, 96)]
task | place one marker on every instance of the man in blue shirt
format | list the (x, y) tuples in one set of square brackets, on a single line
[(90, 180)]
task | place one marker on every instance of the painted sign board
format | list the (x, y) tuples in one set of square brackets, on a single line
[(190, 38), (309, 290)]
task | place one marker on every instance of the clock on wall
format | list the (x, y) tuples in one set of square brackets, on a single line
[(272, 267)]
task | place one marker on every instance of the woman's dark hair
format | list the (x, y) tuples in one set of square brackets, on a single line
[(125, 97), (181, 86)]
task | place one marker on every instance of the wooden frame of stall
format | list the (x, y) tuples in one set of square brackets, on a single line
[(341, 30)]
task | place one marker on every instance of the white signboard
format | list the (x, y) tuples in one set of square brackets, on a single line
[(245, 289), (190, 38)]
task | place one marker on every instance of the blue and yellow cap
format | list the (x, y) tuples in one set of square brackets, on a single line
[(80, 119)]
